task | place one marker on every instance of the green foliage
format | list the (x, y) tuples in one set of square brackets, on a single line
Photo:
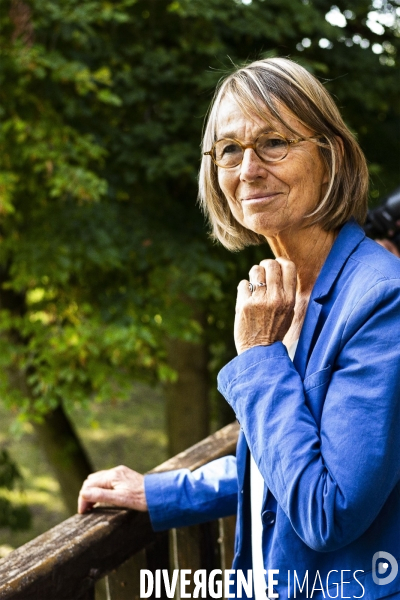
[(104, 252), (16, 517)]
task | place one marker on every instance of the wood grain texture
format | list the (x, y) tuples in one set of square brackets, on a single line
[(65, 562)]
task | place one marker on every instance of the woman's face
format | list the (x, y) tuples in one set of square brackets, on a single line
[(270, 198)]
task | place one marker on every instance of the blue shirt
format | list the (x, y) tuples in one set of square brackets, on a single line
[(324, 432)]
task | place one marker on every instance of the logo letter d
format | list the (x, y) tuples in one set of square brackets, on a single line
[(382, 567)]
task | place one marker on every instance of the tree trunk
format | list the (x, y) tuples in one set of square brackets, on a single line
[(60, 443), (188, 398), (64, 453)]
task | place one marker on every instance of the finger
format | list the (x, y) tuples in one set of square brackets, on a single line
[(98, 474), (243, 292), (110, 478), (273, 277), (289, 278), (84, 506), (94, 495), (103, 479), (257, 276)]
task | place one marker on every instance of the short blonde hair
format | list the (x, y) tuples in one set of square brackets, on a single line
[(260, 88)]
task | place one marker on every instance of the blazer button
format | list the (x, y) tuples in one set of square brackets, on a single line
[(268, 517)]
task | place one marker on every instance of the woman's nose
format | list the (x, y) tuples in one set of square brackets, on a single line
[(252, 166)]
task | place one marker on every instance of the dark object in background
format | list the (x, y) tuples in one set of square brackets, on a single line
[(384, 221)]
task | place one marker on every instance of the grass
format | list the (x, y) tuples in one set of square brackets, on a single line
[(130, 433)]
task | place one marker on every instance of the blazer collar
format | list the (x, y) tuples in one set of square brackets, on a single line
[(346, 242)]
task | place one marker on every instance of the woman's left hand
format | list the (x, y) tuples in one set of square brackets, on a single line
[(119, 486), (264, 316)]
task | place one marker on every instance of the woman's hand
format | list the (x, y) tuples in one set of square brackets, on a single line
[(265, 315), (119, 486)]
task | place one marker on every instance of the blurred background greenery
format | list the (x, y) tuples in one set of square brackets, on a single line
[(116, 310)]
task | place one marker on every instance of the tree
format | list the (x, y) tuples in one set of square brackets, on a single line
[(17, 517), (107, 272)]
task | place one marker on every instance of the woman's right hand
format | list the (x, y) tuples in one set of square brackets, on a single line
[(119, 486), (264, 316)]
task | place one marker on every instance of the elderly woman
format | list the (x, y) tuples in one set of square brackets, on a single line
[(316, 383)]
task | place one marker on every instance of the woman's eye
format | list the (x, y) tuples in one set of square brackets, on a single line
[(273, 143), (230, 149)]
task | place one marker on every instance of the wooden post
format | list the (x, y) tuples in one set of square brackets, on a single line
[(124, 582), (226, 540)]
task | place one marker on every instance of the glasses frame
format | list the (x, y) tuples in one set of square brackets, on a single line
[(244, 147)]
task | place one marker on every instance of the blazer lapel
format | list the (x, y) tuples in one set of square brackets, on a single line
[(303, 349)]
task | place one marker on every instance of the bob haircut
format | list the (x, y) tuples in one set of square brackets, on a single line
[(262, 88)]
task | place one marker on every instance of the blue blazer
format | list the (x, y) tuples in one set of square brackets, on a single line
[(324, 431)]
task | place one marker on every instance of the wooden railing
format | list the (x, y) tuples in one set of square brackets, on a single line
[(100, 554)]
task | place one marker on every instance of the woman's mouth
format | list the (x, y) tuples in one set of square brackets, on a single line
[(260, 198)]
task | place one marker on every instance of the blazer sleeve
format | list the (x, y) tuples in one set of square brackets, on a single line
[(331, 479), (181, 497)]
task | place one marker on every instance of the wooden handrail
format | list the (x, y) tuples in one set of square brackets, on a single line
[(64, 562)]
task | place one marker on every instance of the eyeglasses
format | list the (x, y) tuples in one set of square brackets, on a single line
[(270, 147)]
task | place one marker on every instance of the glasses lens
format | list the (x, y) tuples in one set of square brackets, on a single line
[(272, 146), (227, 153)]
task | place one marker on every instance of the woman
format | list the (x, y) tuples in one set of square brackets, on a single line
[(316, 480)]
